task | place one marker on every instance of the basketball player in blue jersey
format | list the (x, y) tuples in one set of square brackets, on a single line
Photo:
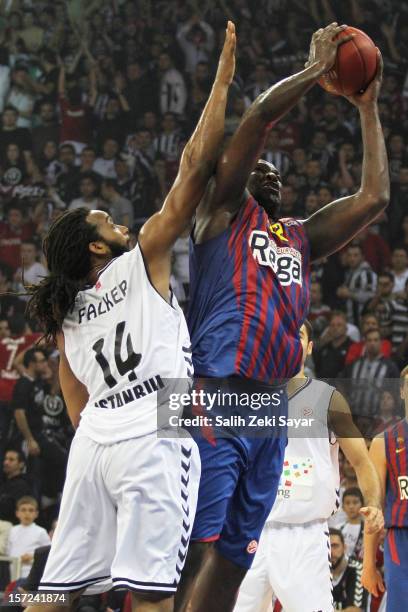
[(130, 494), (389, 453), (250, 285)]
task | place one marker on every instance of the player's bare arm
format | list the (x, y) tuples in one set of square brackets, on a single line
[(75, 393), (243, 151), (197, 164), (371, 578), (334, 225), (352, 444)]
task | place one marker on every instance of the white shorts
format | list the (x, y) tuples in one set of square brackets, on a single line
[(126, 516), (293, 563)]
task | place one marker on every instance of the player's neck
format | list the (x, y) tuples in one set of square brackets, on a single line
[(96, 269), (296, 382)]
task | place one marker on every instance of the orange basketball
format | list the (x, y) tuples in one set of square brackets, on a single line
[(355, 65)]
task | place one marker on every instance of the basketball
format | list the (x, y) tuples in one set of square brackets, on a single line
[(355, 65)]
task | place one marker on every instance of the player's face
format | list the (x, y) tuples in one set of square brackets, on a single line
[(337, 550), (265, 185), (112, 235)]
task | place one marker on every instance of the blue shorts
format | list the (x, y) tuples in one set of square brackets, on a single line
[(238, 487), (396, 568)]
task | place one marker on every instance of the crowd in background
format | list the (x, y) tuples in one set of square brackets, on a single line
[(97, 100)]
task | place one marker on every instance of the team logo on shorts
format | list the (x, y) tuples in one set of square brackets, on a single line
[(252, 546)]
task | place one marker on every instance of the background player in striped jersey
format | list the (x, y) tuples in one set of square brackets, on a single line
[(292, 560), (250, 284), (130, 494), (389, 453)]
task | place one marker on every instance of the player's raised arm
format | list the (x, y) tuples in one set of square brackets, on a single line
[(243, 151), (334, 225), (196, 166)]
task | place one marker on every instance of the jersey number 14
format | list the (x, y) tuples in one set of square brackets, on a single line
[(123, 365)]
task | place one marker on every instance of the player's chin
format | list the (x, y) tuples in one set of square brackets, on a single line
[(271, 203)]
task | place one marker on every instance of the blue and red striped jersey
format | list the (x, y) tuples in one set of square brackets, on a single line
[(249, 295), (396, 490)]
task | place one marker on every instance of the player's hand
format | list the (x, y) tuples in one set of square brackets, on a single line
[(33, 448), (372, 580), (370, 95), (226, 64), (373, 518), (323, 48)]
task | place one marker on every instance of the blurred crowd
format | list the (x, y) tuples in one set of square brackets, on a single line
[(97, 100)]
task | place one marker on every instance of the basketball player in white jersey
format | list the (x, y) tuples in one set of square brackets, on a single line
[(129, 498), (293, 557)]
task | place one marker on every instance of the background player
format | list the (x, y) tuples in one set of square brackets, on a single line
[(389, 453), (291, 561), (250, 283), (129, 496)]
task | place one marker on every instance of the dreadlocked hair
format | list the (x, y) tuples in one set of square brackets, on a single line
[(66, 249)]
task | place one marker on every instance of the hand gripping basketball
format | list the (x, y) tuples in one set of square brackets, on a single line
[(324, 45)]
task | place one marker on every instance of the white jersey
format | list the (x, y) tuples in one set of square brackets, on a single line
[(309, 486), (122, 341)]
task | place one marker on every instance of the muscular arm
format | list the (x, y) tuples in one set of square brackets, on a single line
[(197, 163), (333, 226), (74, 392), (243, 151), (355, 450), (371, 578)]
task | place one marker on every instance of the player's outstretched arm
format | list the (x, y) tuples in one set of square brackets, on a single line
[(243, 151), (353, 446), (197, 165), (333, 226), (371, 578)]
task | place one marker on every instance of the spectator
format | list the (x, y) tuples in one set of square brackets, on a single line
[(138, 91), (167, 142), (379, 305), (336, 130), (120, 207), (27, 535), (20, 97), (88, 189), (353, 528), (32, 271), (388, 412), (319, 313), (398, 314), (14, 484), (376, 251), (261, 81), (13, 232), (28, 398), (360, 284), (31, 34), (399, 269), (369, 322), (274, 154), (67, 179), (173, 92), (75, 115), (105, 165), (46, 130), (115, 121), (399, 194), (196, 38), (348, 594), (88, 157), (369, 374), (331, 353), (12, 134)]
